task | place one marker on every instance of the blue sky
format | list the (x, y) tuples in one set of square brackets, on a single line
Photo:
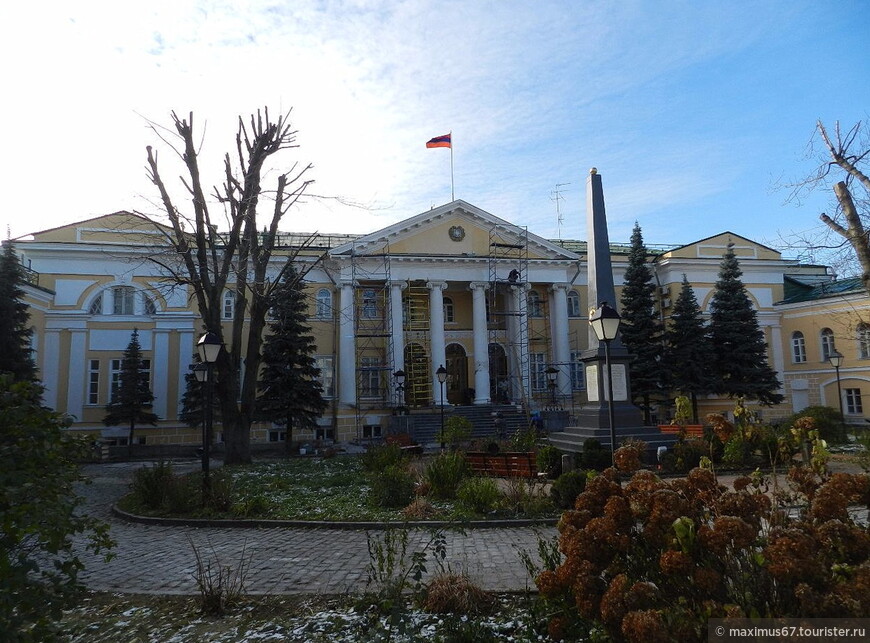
[(693, 112)]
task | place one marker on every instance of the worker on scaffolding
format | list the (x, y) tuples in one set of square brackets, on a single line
[(513, 276)]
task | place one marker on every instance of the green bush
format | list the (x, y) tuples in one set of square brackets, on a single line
[(151, 486), (566, 488), (829, 423), (480, 495), (550, 461), (457, 429), (595, 456), (392, 487), (445, 473), (379, 457), (222, 491), (524, 441), (688, 453)]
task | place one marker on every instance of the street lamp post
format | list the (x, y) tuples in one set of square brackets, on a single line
[(209, 347), (441, 374), (552, 373), (836, 359), (400, 391), (605, 324)]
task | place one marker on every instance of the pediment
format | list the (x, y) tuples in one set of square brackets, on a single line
[(716, 245), (118, 227), (459, 229)]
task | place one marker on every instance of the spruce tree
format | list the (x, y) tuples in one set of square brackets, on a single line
[(739, 348), (290, 392), (192, 403), (641, 330), (689, 352), (15, 354), (132, 398)]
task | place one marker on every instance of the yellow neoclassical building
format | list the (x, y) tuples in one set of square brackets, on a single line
[(504, 311)]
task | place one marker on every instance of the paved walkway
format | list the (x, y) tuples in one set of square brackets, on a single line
[(160, 560)]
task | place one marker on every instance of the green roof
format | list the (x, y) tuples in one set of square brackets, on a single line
[(795, 291)]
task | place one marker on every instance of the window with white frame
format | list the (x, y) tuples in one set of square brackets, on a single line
[(96, 305), (863, 341), (448, 310), (370, 377), (148, 305), (798, 347), (327, 374), (123, 298), (277, 435), (323, 304), (573, 304), (369, 304), (229, 308), (115, 367), (827, 342), (853, 401), (94, 381), (538, 369), (578, 381), (534, 303)]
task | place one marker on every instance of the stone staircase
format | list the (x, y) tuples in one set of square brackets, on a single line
[(425, 425)]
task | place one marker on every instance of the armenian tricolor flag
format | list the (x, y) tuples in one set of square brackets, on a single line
[(439, 141)]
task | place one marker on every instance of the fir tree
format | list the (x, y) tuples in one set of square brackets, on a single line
[(641, 330), (689, 352), (739, 348), (15, 354), (290, 392), (192, 400), (133, 397)]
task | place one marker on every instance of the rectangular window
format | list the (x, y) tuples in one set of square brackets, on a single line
[(122, 300), (324, 434), (578, 381), (114, 377), (370, 377), (853, 402), (277, 436), (94, 381), (538, 370), (371, 431), (327, 375)]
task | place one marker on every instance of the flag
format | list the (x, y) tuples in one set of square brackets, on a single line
[(439, 141)]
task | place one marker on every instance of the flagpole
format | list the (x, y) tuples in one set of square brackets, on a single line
[(452, 193)]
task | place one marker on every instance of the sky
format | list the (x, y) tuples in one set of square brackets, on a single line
[(695, 113)]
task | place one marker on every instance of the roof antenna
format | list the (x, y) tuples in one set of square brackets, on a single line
[(556, 195)]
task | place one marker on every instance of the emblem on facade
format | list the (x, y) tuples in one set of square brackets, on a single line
[(457, 233)]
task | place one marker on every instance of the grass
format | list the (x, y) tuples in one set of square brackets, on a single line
[(107, 618), (328, 489)]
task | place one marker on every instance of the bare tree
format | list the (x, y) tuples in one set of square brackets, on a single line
[(847, 152), (209, 261)]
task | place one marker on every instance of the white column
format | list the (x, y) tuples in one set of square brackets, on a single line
[(559, 332), (185, 359), (520, 341), (347, 346), (75, 395), (397, 334), (436, 333), (159, 362), (481, 342), (51, 367)]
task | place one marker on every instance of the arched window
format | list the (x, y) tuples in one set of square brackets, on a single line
[(448, 310), (229, 309), (798, 347), (534, 304), (96, 305), (827, 340), (122, 300), (323, 304), (864, 340), (573, 304)]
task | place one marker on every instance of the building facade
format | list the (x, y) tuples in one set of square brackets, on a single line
[(502, 310)]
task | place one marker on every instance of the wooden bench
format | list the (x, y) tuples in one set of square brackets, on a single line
[(503, 465), (692, 430), (404, 442)]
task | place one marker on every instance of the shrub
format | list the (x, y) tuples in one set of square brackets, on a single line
[(449, 593), (550, 461), (828, 422), (480, 495), (566, 488), (527, 498), (445, 473), (393, 487), (595, 456), (379, 457), (688, 453), (152, 486), (457, 429), (524, 440), (419, 509)]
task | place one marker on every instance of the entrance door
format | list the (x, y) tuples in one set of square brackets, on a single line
[(418, 380), (457, 375), (499, 385)]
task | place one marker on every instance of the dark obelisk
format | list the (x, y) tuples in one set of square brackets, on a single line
[(592, 420)]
